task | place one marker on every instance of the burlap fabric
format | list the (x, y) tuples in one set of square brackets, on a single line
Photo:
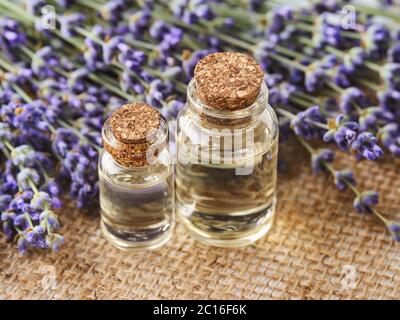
[(318, 248)]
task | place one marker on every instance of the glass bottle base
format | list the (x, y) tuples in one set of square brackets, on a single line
[(229, 238), (153, 242), (230, 242)]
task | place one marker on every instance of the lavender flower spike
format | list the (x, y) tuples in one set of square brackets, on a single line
[(394, 229), (363, 203), (342, 132), (321, 157), (365, 145), (305, 122), (390, 137), (343, 178)]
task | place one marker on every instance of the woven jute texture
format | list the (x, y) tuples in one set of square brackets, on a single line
[(318, 248)]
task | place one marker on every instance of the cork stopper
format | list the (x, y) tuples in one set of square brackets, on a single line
[(134, 128), (228, 80)]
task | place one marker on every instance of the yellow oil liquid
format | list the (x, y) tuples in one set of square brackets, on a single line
[(223, 208), (137, 215)]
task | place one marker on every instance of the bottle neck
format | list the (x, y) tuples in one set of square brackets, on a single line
[(226, 118), (135, 155)]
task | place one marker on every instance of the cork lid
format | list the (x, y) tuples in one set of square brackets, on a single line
[(135, 123), (133, 128), (228, 80)]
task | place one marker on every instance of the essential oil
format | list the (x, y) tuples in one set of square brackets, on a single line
[(136, 179), (227, 146)]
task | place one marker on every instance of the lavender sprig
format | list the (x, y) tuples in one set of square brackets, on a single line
[(28, 215), (363, 201)]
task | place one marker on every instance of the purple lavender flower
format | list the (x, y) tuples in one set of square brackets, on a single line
[(279, 91), (5, 200), (110, 47), (390, 73), (51, 218), (340, 76), (23, 155), (277, 19), (40, 201), (326, 32), (264, 49), (255, 5), (5, 133), (132, 59), (317, 72), (79, 165), (6, 96), (394, 54), (353, 59), (44, 62), (10, 36), (390, 137), (296, 76), (22, 246), (158, 93), (319, 159), (352, 99), (285, 91), (94, 53), (273, 80), (389, 101), (130, 82), (51, 187), (344, 177), (30, 120), (75, 82), (366, 147), (394, 229), (363, 203), (171, 109), (373, 118), (210, 42), (342, 132), (20, 76), (34, 7), (27, 176), (69, 21), (192, 11), (64, 140), (8, 230), (304, 124), (376, 40), (323, 5), (112, 10), (28, 223), (315, 78), (139, 22), (64, 3), (168, 36)]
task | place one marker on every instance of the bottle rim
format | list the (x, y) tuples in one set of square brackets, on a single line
[(252, 110)]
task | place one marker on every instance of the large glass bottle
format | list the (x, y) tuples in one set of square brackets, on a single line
[(227, 144)]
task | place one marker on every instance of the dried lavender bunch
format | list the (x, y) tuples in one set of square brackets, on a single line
[(29, 195)]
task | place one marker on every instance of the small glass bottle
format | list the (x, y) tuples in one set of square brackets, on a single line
[(227, 145), (136, 179)]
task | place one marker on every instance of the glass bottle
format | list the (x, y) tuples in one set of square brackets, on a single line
[(227, 145), (136, 179)]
